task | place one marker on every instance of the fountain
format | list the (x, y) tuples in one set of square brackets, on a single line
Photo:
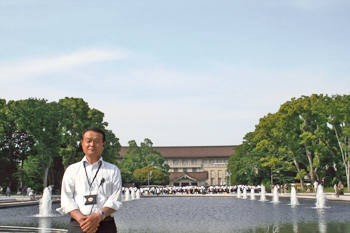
[(45, 204), (138, 194), (239, 192), (261, 218), (126, 195), (320, 198), (275, 195), (133, 196), (262, 194), (293, 196), (252, 194), (244, 193)]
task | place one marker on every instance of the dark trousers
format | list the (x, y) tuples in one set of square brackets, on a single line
[(106, 226)]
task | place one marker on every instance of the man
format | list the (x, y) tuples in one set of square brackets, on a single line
[(91, 188), (8, 192)]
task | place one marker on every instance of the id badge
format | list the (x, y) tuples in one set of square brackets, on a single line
[(90, 199)]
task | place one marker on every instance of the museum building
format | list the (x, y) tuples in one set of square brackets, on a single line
[(195, 165)]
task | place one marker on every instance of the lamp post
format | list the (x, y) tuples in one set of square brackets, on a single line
[(228, 177), (148, 175)]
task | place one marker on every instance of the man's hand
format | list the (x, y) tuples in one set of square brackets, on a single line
[(90, 224)]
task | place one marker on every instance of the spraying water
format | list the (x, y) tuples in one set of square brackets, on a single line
[(244, 193), (126, 195), (45, 204), (263, 193), (320, 198), (252, 194), (275, 195), (239, 192), (133, 195), (293, 196), (138, 194)]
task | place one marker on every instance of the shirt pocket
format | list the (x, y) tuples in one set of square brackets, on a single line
[(108, 188)]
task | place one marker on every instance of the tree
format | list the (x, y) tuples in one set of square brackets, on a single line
[(339, 119), (157, 177), (112, 147), (76, 117), (42, 121), (139, 157), (245, 164), (73, 122)]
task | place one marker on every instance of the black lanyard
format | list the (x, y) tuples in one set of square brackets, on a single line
[(94, 176)]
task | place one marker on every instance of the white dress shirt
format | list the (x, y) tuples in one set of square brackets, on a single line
[(75, 185)]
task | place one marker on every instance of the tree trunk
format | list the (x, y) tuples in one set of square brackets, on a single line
[(22, 183), (45, 177), (309, 157), (348, 176), (302, 184), (271, 177), (298, 169)]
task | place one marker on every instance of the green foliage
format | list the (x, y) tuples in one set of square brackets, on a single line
[(156, 177), (137, 158), (307, 136), (245, 164), (45, 137)]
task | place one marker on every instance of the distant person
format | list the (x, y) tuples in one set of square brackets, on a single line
[(24, 191), (335, 187), (285, 188), (31, 195), (340, 189), (91, 188), (307, 189), (8, 192), (315, 186)]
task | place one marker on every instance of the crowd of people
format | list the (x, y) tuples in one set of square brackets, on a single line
[(25, 191), (177, 190)]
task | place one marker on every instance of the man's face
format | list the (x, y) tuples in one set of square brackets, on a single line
[(92, 144)]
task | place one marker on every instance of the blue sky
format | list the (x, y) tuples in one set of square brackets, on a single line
[(181, 73)]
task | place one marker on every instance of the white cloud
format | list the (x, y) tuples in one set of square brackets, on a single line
[(48, 65)]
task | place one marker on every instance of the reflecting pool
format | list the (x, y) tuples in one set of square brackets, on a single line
[(207, 214)]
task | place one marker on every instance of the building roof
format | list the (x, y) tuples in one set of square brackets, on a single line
[(194, 175), (191, 151)]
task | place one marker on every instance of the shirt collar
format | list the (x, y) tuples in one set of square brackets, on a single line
[(87, 161)]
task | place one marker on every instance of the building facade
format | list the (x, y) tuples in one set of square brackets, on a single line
[(195, 165)]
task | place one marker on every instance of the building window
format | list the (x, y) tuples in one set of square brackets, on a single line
[(176, 169), (194, 161), (175, 162), (220, 174), (204, 161), (212, 181), (184, 161), (165, 161), (184, 169), (220, 181), (219, 160), (212, 174), (211, 161), (194, 169)]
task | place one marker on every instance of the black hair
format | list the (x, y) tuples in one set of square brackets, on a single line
[(97, 130)]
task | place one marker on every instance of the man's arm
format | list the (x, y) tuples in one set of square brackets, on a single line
[(67, 189), (77, 215), (92, 222), (113, 202)]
